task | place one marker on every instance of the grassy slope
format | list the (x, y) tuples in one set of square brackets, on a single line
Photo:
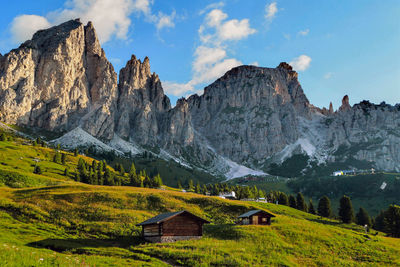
[(100, 221), (50, 220)]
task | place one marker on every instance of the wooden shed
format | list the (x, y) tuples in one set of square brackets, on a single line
[(173, 226), (256, 217)]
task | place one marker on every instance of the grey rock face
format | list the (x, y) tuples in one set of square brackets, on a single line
[(56, 79), (367, 132), (141, 103), (250, 112), (61, 79)]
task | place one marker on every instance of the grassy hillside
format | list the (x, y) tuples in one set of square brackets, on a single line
[(71, 224), (49, 219)]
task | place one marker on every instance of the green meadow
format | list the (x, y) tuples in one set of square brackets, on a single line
[(51, 220)]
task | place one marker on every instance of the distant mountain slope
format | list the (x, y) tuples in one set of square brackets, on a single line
[(61, 81)]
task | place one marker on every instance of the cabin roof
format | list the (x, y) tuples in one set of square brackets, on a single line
[(169, 215), (253, 212)]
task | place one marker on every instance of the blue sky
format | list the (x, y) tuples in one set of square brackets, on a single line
[(338, 47)]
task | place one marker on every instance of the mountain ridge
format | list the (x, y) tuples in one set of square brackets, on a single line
[(61, 80)]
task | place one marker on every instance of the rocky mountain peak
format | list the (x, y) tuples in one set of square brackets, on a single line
[(135, 73), (92, 42), (286, 66), (49, 39), (345, 104), (331, 108)]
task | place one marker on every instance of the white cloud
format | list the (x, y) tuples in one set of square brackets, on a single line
[(215, 71), (23, 27), (301, 63), (215, 17), (255, 63), (143, 6), (110, 17), (205, 56), (304, 33), (217, 29), (117, 13), (211, 59), (177, 89), (271, 10), (328, 75), (211, 6), (235, 29), (165, 21)]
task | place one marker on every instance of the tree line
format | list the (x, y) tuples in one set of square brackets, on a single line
[(387, 221), (241, 192), (99, 173)]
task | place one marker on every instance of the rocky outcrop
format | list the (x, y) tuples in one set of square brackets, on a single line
[(141, 103), (250, 112), (366, 132), (56, 79), (61, 80)]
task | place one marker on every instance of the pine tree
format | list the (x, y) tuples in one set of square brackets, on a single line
[(57, 157), (63, 158), (132, 170), (3, 137), (324, 207), (77, 178), (104, 165), (197, 188), (75, 152), (362, 217), (311, 207), (283, 199), (108, 177), (204, 189), (292, 202), (82, 171), (346, 213), (100, 179), (261, 194), (392, 221), (121, 170), (94, 165), (179, 185), (191, 186), (300, 202), (66, 172), (379, 222), (157, 181), (37, 170)]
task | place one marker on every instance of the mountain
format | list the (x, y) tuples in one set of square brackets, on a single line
[(244, 123)]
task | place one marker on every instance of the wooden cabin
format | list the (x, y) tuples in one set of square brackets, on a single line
[(255, 217), (173, 226)]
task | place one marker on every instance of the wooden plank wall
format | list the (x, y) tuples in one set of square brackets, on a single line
[(151, 230), (182, 225)]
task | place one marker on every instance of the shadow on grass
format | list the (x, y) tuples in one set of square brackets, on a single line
[(324, 221), (81, 245), (223, 231)]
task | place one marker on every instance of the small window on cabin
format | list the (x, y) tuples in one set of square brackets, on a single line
[(264, 219)]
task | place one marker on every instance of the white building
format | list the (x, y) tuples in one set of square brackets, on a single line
[(229, 195)]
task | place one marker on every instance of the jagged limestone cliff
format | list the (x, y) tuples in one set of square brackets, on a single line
[(61, 81)]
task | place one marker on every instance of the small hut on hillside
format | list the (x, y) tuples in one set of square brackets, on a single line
[(255, 217), (173, 226)]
